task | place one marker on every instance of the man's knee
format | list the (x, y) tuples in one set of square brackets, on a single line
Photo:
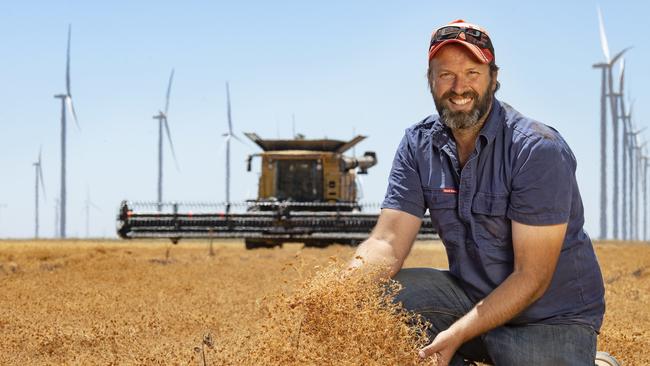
[(417, 277), (431, 290)]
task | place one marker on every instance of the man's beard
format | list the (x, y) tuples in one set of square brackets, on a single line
[(463, 120)]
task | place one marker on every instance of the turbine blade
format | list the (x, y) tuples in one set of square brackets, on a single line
[(603, 36), (39, 171), (40, 178), (228, 108), (171, 144), (228, 137), (169, 91), (618, 55), (67, 62), (221, 149), (93, 205), (70, 107), (240, 140)]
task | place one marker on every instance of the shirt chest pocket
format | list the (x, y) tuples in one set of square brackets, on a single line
[(443, 208), (491, 226)]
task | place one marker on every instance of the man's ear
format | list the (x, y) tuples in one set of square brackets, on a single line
[(430, 78), (494, 78)]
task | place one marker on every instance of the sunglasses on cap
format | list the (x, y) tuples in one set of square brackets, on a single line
[(472, 36)]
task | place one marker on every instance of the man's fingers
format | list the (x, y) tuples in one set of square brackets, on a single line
[(428, 351), (433, 350)]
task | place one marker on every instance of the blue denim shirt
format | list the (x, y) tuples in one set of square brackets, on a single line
[(520, 170)]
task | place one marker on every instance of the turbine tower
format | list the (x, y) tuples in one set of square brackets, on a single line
[(607, 81), (88, 204), (57, 212), (638, 154), (645, 160), (163, 128), (623, 118), (38, 171), (229, 135), (66, 106), (631, 141)]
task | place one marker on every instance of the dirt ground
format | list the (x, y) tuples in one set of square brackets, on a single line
[(144, 302)]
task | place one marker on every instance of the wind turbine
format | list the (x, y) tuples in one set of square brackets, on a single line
[(66, 106), (163, 128), (88, 204), (645, 160), (622, 118), (38, 171), (638, 154), (57, 212), (607, 81), (603, 133), (228, 136), (630, 140)]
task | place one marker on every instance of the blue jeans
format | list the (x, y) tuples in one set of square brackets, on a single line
[(439, 298)]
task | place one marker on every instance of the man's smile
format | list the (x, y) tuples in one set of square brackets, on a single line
[(460, 100)]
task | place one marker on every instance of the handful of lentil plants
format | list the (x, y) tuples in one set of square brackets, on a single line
[(336, 317)]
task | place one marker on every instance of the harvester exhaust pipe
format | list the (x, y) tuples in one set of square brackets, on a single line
[(367, 161)]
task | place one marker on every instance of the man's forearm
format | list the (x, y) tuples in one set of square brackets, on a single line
[(389, 243), (376, 252)]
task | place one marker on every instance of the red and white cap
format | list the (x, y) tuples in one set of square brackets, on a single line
[(482, 48)]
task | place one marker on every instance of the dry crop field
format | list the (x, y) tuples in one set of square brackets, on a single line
[(148, 302)]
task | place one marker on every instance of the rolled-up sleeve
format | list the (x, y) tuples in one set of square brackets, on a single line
[(542, 183), (404, 191)]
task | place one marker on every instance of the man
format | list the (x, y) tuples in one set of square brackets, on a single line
[(524, 286)]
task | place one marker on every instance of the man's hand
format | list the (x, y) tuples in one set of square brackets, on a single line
[(390, 241), (442, 348)]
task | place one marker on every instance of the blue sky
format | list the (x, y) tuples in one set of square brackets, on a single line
[(338, 66)]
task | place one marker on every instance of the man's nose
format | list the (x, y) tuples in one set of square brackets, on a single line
[(460, 85)]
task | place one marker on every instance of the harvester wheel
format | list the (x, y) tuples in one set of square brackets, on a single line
[(318, 243), (352, 242), (325, 243), (256, 244)]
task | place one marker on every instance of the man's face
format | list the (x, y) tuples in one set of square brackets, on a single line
[(462, 87)]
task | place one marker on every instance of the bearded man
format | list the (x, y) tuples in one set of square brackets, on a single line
[(524, 286)]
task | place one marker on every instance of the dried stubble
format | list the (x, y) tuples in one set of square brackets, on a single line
[(129, 303)]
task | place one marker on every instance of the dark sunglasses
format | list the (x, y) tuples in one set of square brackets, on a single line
[(473, 36)]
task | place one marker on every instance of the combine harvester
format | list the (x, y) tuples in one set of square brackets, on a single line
[(307, 193)]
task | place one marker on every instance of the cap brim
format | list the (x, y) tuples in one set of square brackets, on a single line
[(480, 56)]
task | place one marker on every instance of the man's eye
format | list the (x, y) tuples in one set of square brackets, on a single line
[(446, 75)]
